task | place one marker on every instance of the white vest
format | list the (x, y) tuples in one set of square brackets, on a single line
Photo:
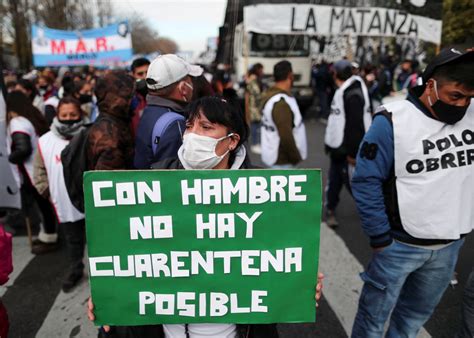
[(434, 170), (271, 139), (50, 146), (20, 124), (337, 119)]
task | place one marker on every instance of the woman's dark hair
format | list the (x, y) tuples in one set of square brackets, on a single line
[(69, 86), (201, 86), (70, 100), (255, 69), (20, 104), (29, 85), (218, 110)]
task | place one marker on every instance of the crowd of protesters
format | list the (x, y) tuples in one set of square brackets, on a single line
[(169, 114)]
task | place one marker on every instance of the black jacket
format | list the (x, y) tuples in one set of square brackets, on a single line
[(21, 148)]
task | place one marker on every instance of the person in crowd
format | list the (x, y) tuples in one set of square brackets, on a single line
[(28, 88), (372, 84), (25, 124), (413, 198), (349, 120), (45, 87), (283, 131), (214, 139), (84, 94), (253, 97), (160, 130), (201, 87), (11, 85), (139, 69), (322, 84), (384, 77), (221, 79), (405, 75), (110, 141), (49, 182), (68, 88)]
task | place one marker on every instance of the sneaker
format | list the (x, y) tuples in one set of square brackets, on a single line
[(71, 281), (331, 220), (40, 248), (256, 149)]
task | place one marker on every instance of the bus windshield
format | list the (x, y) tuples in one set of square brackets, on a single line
[(276, 45)]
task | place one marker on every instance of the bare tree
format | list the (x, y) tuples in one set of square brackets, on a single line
[(104, 12), (19, 15), (166, 46), (146, 40), (21, 41)]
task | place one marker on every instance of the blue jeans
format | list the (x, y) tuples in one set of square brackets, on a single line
[(467, 330), (411, 281)]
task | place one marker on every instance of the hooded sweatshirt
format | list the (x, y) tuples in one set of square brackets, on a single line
[(111, 143)]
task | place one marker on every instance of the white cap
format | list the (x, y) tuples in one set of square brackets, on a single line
[(167, 69)]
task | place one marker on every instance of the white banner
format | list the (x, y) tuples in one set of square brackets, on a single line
[(336, 20)]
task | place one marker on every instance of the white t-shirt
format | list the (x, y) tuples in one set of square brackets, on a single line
[(200, 330)]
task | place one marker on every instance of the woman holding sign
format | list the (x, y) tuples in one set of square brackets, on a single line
[(214, 138)]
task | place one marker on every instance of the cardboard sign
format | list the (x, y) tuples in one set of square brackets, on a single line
[(211, 246)]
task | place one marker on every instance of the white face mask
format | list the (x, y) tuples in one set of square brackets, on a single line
[(199, 151)]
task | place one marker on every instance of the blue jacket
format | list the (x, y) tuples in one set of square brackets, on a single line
[(170, 140), (374, 176)]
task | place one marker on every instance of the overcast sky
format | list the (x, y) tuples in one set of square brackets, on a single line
[(188, 22)]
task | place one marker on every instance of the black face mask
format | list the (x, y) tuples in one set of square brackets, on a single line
[(69, 122), (445, 112), (83, 98)]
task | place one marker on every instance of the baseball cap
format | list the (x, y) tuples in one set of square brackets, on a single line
[(167, 69), (446, 56), (343, 69)]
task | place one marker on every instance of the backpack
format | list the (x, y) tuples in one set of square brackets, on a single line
[(75, 163), (6, 263), (161, 124)]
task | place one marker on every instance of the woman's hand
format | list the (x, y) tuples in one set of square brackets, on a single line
[(319, 288), (90, 313)]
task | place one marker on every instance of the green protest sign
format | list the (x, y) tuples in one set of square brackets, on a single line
[(211, 246)]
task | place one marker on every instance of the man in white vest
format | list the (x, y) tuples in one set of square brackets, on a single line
[(283, 134), (348, 121), (414, 189)]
